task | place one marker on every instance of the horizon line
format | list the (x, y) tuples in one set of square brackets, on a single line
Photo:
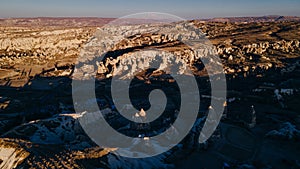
[(99, 17)]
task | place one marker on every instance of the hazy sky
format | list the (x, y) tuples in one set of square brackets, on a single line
[(116, 8)]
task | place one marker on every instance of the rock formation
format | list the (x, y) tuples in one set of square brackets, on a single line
[(37, 120)]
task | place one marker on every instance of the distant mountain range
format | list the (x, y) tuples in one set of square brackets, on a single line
[(94, 21), (270, 18), (56, 21)]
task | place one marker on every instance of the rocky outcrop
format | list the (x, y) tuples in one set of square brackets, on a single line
[(261, 62), (11, 154), (53, 51), (26, 53), (287, 131)]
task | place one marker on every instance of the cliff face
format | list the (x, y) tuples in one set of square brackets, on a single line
[(37, 120)]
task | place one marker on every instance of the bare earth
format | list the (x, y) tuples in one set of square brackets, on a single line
[(39, 127)]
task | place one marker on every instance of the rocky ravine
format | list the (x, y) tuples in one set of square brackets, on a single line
[(261, 62)]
